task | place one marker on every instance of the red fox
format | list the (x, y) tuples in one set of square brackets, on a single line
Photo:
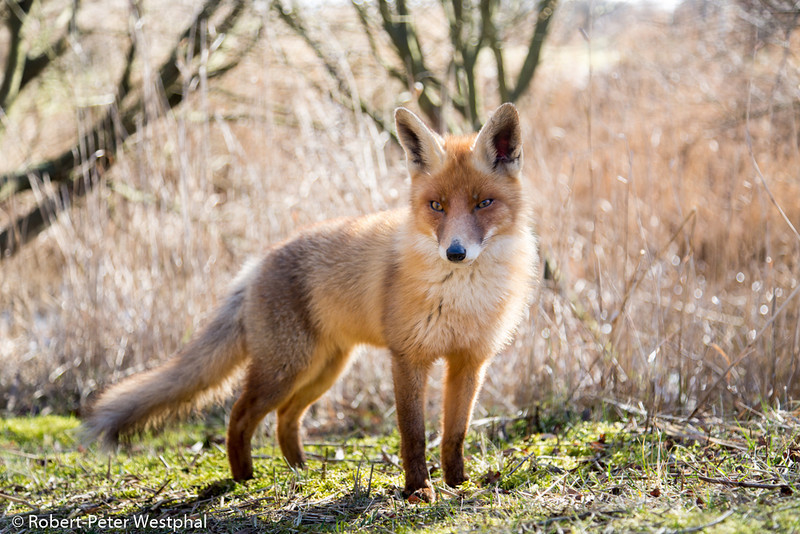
[(449, 276)]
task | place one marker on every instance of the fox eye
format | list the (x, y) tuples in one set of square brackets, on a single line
[(485, 203), (435, 206)]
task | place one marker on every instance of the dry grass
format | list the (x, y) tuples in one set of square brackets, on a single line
[(674, 272)]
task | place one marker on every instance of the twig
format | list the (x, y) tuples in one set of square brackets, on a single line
[(446, 491), (742, 483), (675, 431), (18, 500), (698, 528), (519, 465), (737, 483), (749, 141), (582, 515), (159, 490)]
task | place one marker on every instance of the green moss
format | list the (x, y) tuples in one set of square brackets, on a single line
[(46, 432)]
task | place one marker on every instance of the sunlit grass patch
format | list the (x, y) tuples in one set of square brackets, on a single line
[(44, 432), (653, 474)]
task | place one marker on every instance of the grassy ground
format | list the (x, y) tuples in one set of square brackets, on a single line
[(645, 476), (674, 275)]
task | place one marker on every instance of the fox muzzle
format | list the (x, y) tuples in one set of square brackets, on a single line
[(456, 252)]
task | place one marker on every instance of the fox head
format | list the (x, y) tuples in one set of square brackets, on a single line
[(465, 190)]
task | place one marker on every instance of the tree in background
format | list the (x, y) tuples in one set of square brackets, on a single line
[(473, 25), (772, 19)]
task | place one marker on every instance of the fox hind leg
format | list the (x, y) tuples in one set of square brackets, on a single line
[(290, 413), (258, 399)]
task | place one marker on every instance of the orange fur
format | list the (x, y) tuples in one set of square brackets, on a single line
[(447, 277)]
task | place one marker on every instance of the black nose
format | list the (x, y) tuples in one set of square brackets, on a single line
[(456, 252)]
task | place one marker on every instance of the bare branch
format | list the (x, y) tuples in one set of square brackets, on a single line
[(546, 10), (406, 44), (16, 19), (363, 16), (169, 73), (293, 20), (236, 59), (470, 51), (35, 65), (493, 41), (106, 136), (25, 228), (59, 169)]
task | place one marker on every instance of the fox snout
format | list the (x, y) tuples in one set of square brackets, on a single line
[(460, 237), (456, 251)]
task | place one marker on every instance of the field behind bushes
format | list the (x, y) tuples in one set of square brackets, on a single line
[(661, 151)]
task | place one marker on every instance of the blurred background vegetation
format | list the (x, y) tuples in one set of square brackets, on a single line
[(148, 148)]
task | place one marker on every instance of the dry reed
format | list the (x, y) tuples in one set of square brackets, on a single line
[(673, 272)]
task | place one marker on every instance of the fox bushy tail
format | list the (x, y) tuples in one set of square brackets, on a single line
[(199, 373)]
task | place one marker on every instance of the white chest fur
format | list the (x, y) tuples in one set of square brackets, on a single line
[(472, 307)]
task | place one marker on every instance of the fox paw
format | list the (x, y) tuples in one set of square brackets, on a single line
[(425, 494)]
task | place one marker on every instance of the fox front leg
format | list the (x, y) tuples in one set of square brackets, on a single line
[(409, 390), (462, 382)]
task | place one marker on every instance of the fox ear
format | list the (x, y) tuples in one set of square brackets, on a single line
[(498, 146), (423, 146)]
